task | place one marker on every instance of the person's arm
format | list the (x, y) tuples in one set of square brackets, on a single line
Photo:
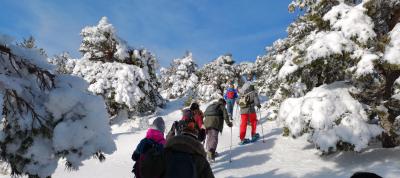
[(225, 115), (171, 132), (226, 92), (138, 151), (256, 100), (236, 94)]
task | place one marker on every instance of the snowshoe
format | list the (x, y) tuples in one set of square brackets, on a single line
[(245, 141), (255, 137)]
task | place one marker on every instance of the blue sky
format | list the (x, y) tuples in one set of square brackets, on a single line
[(168, 28)]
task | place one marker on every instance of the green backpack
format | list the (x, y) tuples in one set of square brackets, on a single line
[(244, 100)]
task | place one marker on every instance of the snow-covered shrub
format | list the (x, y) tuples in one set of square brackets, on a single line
[(331, 116), (335, 41), (180, 78), (214, 78), (45, 116), (125, 77)]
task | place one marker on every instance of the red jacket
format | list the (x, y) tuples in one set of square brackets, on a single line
[(198, 117)]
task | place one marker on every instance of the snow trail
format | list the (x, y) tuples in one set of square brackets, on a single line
[(279, 157)]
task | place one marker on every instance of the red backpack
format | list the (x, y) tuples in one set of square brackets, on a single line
[(230, 95)]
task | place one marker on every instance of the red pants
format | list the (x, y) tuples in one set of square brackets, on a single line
[(243, 124)]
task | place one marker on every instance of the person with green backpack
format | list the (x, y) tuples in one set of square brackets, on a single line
[(247, 102)]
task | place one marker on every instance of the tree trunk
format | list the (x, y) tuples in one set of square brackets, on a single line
[(389, 136), (395, 18)]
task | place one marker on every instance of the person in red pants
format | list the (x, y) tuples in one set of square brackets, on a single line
[(247, 103)]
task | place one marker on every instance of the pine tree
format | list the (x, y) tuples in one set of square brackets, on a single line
[(180, 78), (30, 43), (46, 117), (335, 46), (124, 76), (63, 62)]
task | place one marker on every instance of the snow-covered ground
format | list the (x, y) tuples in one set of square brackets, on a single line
[(278, 157)]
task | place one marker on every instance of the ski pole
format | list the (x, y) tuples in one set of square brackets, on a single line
[(230, 149), (262, 128)]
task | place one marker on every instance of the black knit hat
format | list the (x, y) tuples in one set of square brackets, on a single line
[(158, 124)]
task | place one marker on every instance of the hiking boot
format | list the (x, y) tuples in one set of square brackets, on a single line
[(210, 156), (255, 137), (244, 141)]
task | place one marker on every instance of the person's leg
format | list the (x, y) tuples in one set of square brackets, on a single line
[(253, 120), (230, 103), (212, 142), (243, 125), (208, 139)]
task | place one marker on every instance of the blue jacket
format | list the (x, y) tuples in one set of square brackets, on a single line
[(229, 90)]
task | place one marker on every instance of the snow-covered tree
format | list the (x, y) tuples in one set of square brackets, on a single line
[(30, 43), (46, 117), (331, 77), (180, 78), (243, 70), (214, 78), (124, 76), (63, 62)]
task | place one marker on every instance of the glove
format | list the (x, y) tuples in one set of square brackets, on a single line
[(230, 124)]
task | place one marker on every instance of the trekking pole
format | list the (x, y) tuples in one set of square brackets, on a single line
[(230, 149), (262, 128)]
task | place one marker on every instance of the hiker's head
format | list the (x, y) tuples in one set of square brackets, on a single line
[(190, 130), (231, 85), (221, 100), (158, 124), (194, 106), (187, 114)]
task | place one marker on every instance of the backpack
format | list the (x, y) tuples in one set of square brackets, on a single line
[(181, 165), (187, 121), (213, 110), (230, 94), (153, 166), (187, 114), (151, 160), (245, 100)]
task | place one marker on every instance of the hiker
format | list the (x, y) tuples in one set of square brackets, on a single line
[(191, 117), (247, 102), (215, 115), (230, 97), (154, 139), (182, 157), (198, 117)]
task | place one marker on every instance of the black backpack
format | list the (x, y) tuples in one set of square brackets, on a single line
[(180, 165), (153, 165), (150, 163)]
